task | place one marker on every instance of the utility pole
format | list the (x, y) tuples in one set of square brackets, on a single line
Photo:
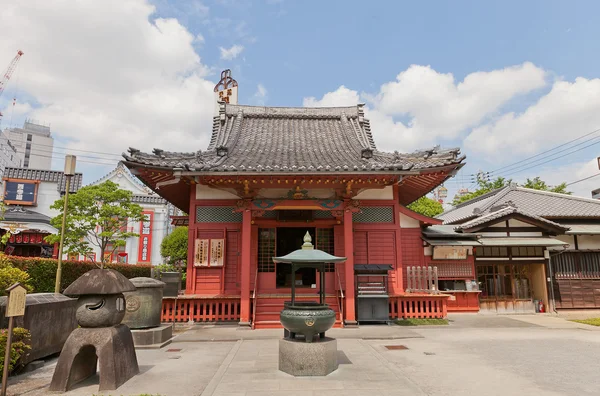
[(70, 161)]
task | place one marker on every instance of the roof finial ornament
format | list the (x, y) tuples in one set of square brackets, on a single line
[(307, 241)]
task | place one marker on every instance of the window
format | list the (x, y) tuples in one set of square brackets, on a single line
[(500, 251), (527, 251), (266, 249), (325, 243)]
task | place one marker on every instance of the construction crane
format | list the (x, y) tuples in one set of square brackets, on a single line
[(9, 71)]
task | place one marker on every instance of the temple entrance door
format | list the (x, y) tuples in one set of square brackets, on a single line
[(288, 240)]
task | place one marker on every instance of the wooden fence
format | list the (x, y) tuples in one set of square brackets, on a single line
[(422, 280), (200, 310), (414, 306)]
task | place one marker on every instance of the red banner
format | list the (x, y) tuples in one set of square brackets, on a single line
[(145, 249)]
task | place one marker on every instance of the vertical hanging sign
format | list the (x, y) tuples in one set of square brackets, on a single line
[(201, 253), (145, 249)]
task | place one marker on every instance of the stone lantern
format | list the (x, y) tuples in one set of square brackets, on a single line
[(101, 340)]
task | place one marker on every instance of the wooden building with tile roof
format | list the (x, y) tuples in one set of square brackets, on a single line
[(269, 175)]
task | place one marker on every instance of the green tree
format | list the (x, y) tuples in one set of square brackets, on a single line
[(174, 246), (485, 187), (96, 215), (538, 184), (426, 206)]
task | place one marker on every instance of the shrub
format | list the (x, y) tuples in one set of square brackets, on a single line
[(42, 272), (170, 268), (10, 275), (21, 341)]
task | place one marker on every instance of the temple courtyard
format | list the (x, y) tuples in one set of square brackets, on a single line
[(475, 354)]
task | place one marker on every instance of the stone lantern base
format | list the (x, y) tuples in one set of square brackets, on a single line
[(299, 358), (109, 348), (154, 338)]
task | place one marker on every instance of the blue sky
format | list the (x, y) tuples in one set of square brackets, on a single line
[(531, 72)]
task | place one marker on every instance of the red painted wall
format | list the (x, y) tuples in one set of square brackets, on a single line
[(412, 250)]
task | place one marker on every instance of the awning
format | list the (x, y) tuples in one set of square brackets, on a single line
[(452, 242), (517, 241), (15, 228), (582, 229)]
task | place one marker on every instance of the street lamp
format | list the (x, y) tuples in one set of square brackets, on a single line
[(70, 161)]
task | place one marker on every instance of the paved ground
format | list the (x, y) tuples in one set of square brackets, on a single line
[(517, 355)]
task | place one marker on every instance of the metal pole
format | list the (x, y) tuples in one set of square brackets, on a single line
[(7, 354), (62, 237)]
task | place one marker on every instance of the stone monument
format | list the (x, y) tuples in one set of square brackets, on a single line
[(101, 340), (143, 312), (307, 357)]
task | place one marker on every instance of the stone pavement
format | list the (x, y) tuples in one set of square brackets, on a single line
[(234, 333), (530, 356)]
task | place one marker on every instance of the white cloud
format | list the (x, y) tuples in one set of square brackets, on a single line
[(569, 110), (231, 53), (435, 105), (260, 96), (570, 173), (111, 76), (340, 97)]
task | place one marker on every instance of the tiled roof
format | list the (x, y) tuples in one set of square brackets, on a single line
[(544, 204), (505, 212), (290, 140), (446, 231), (18, 214), (148, 199), (46, 176)]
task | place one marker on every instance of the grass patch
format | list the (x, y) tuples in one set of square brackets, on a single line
[(592, 321), (422, 322)]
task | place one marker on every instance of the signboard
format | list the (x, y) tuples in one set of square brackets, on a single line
[(20, 192), (145, 249), (216, 252), (450, 253), (201, 253), (17, 295), (209, 252), (15, 306)]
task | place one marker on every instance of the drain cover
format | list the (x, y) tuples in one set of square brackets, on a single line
[(174, 350), (396, 347)]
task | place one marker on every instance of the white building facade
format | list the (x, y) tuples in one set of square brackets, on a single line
[(144, 249), (8, 154), (33, 144), (28, 194)]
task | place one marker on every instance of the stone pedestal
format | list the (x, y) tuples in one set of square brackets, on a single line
[(110, 348), (154, 338), (299, 358)]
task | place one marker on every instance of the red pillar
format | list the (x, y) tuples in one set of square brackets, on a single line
[(246, 253), (399, 284), (349, 270), (190, 282)]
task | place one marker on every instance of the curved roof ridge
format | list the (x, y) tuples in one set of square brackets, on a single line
[(559, 195), (292, 112)]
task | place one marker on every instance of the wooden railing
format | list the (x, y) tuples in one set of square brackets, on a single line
[(422, 280), (200, 310), (254, 299), (418, 306), (340, 299)]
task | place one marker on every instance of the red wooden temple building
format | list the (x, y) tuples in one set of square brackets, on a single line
[(269, 175)]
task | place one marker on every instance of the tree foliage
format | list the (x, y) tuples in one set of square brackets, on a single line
[(485, 186), (174, 247), (538, 184), (426, 206), (97, 215)]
